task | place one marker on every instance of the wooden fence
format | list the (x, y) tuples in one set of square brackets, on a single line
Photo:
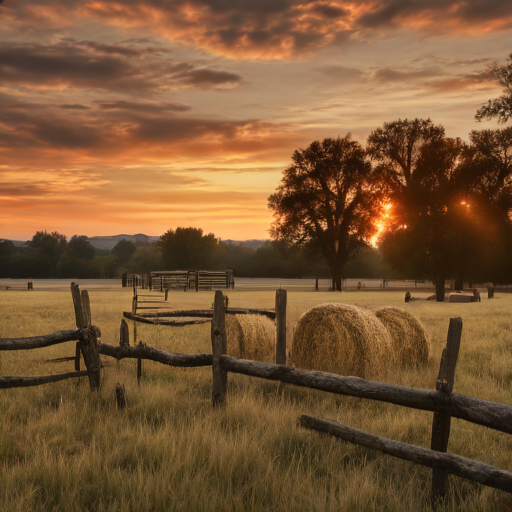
[(30, 286), (192, 280), (441, 401), (85, 335)]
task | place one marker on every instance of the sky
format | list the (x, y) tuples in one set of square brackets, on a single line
[(140, 117)]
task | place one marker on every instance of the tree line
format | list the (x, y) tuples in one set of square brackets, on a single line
[(51, 255)]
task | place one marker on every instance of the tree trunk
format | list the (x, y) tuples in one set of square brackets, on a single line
[(336, 277), (440, 282), (459, 283)]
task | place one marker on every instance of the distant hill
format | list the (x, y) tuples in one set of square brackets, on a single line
[(109, 242)]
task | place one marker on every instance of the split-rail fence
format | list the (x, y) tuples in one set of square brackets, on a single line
[(442, 401)]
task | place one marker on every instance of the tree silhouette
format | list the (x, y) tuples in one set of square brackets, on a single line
[(124, 250), (328, 198), (189, 249), (500, 107), (426, 231)]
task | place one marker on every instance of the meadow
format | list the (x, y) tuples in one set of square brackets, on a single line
[(65, 449)]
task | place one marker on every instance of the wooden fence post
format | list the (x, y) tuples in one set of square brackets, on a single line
[(219, 348), (77, 303), (197, 280), (441, 422), (139, 365), (166, 293), (90, 351), (86, 308), (281, 326), (124, 334), (316, 284)]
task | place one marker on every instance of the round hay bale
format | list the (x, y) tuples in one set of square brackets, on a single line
[(341, 338), (251, 337), (409, 340)]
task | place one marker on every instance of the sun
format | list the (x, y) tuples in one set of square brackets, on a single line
[(381, 223)]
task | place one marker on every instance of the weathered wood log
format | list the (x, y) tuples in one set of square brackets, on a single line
[(482, 412), (155, 354), (22, 382), (156, 321), (281, 326), (441, 422), (77, 304), (124, 334), (77, 356), (120, 396), (204, 313), (86, 307), (219, 348), (39, 341), (89, 346), (61, 359), (454, 464)]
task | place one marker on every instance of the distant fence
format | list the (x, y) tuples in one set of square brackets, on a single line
[(442, 401), (192, 280), (29, 286)]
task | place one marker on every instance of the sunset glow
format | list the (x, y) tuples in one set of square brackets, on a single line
[(127, 117)]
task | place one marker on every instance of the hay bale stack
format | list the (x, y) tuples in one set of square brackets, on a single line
[(341, 338), (410, 341), (251, 337)]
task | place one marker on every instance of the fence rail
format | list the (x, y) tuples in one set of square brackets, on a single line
[(455, 464)]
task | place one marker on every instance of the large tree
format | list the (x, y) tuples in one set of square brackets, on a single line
[(48, 247), (189, 249), (328, 198), (426, 232), (500, 107)]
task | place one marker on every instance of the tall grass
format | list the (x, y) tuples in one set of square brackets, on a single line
[(62, 448)]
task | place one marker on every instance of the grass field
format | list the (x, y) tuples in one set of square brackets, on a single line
[(62, 448)]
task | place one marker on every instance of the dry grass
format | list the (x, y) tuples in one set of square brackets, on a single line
[(251, 337), (410, 342), (63, 449), (341, 338)]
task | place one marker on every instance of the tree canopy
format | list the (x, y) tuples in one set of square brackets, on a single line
[(327, 199), (188, 248), (501, 107), (124, 250)]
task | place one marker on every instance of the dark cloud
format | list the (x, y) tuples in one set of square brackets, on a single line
[(329, 10), (439, 15), (406, 75), (125, 49), (202, 77), (120, 128), (84, 67), (270, 29), (74, 106), (142, 107)]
